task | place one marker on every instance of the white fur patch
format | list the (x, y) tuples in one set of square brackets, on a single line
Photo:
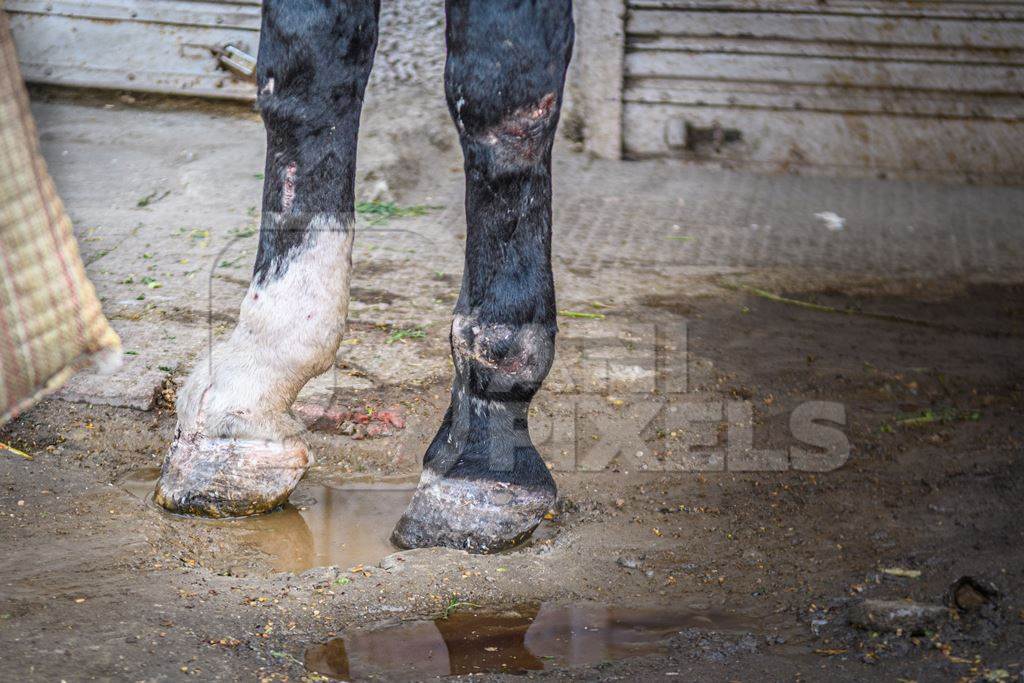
[(288, 331)]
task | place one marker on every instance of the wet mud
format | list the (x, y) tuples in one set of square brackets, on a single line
[(511, 641), (856, 573)]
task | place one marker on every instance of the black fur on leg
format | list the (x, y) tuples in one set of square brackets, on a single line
[(314, 62), (504, 78)]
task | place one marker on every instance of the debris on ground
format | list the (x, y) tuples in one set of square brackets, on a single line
[(894, 616), (368, 423), (969, 594), (832, 221), (629, 561), (14, 451), (902, 573)]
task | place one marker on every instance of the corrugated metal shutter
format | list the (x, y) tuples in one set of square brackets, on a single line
[(933, 86), (147, 45)]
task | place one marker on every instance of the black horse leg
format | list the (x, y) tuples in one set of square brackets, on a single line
[(484, 485)]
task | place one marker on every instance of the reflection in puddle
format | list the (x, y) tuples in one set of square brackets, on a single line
[(530, 638), (320, 526)]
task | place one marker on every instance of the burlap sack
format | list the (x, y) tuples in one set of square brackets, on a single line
[(50, 319)]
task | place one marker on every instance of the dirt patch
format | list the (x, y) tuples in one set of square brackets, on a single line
[(372, 296), (672, 303), (929, 493)]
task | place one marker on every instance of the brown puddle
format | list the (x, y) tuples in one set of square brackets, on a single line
[(528, 639), (342, 525), (320, 526)]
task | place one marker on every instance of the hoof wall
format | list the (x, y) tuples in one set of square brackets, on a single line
[(480, 516), (215, 477)]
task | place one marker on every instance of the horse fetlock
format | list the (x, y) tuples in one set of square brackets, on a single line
[(503, 361)]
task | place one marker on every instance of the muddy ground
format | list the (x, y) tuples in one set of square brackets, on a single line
[(99, 585)]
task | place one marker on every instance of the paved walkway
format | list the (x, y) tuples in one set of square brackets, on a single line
[(165, 204), (667, 214)]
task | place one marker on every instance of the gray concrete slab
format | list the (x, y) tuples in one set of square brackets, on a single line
[(666, 214), (165, 204), (153, 352)]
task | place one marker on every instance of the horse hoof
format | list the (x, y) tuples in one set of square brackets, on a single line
[(219, 477), (478, 515)]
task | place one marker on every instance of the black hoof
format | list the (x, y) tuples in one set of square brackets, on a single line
[(213, 477), (478, 515)]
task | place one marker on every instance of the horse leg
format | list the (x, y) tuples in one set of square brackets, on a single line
[(237, 449), (484, 486)]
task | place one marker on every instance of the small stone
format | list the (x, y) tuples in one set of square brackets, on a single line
[(620, 503), (628, 562), (969, 598), (968, 593), (893, 616), (566, 504), (753, 557), (319, 575), (393, 563)]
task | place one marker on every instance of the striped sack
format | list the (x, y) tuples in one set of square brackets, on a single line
[(50, 319)]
